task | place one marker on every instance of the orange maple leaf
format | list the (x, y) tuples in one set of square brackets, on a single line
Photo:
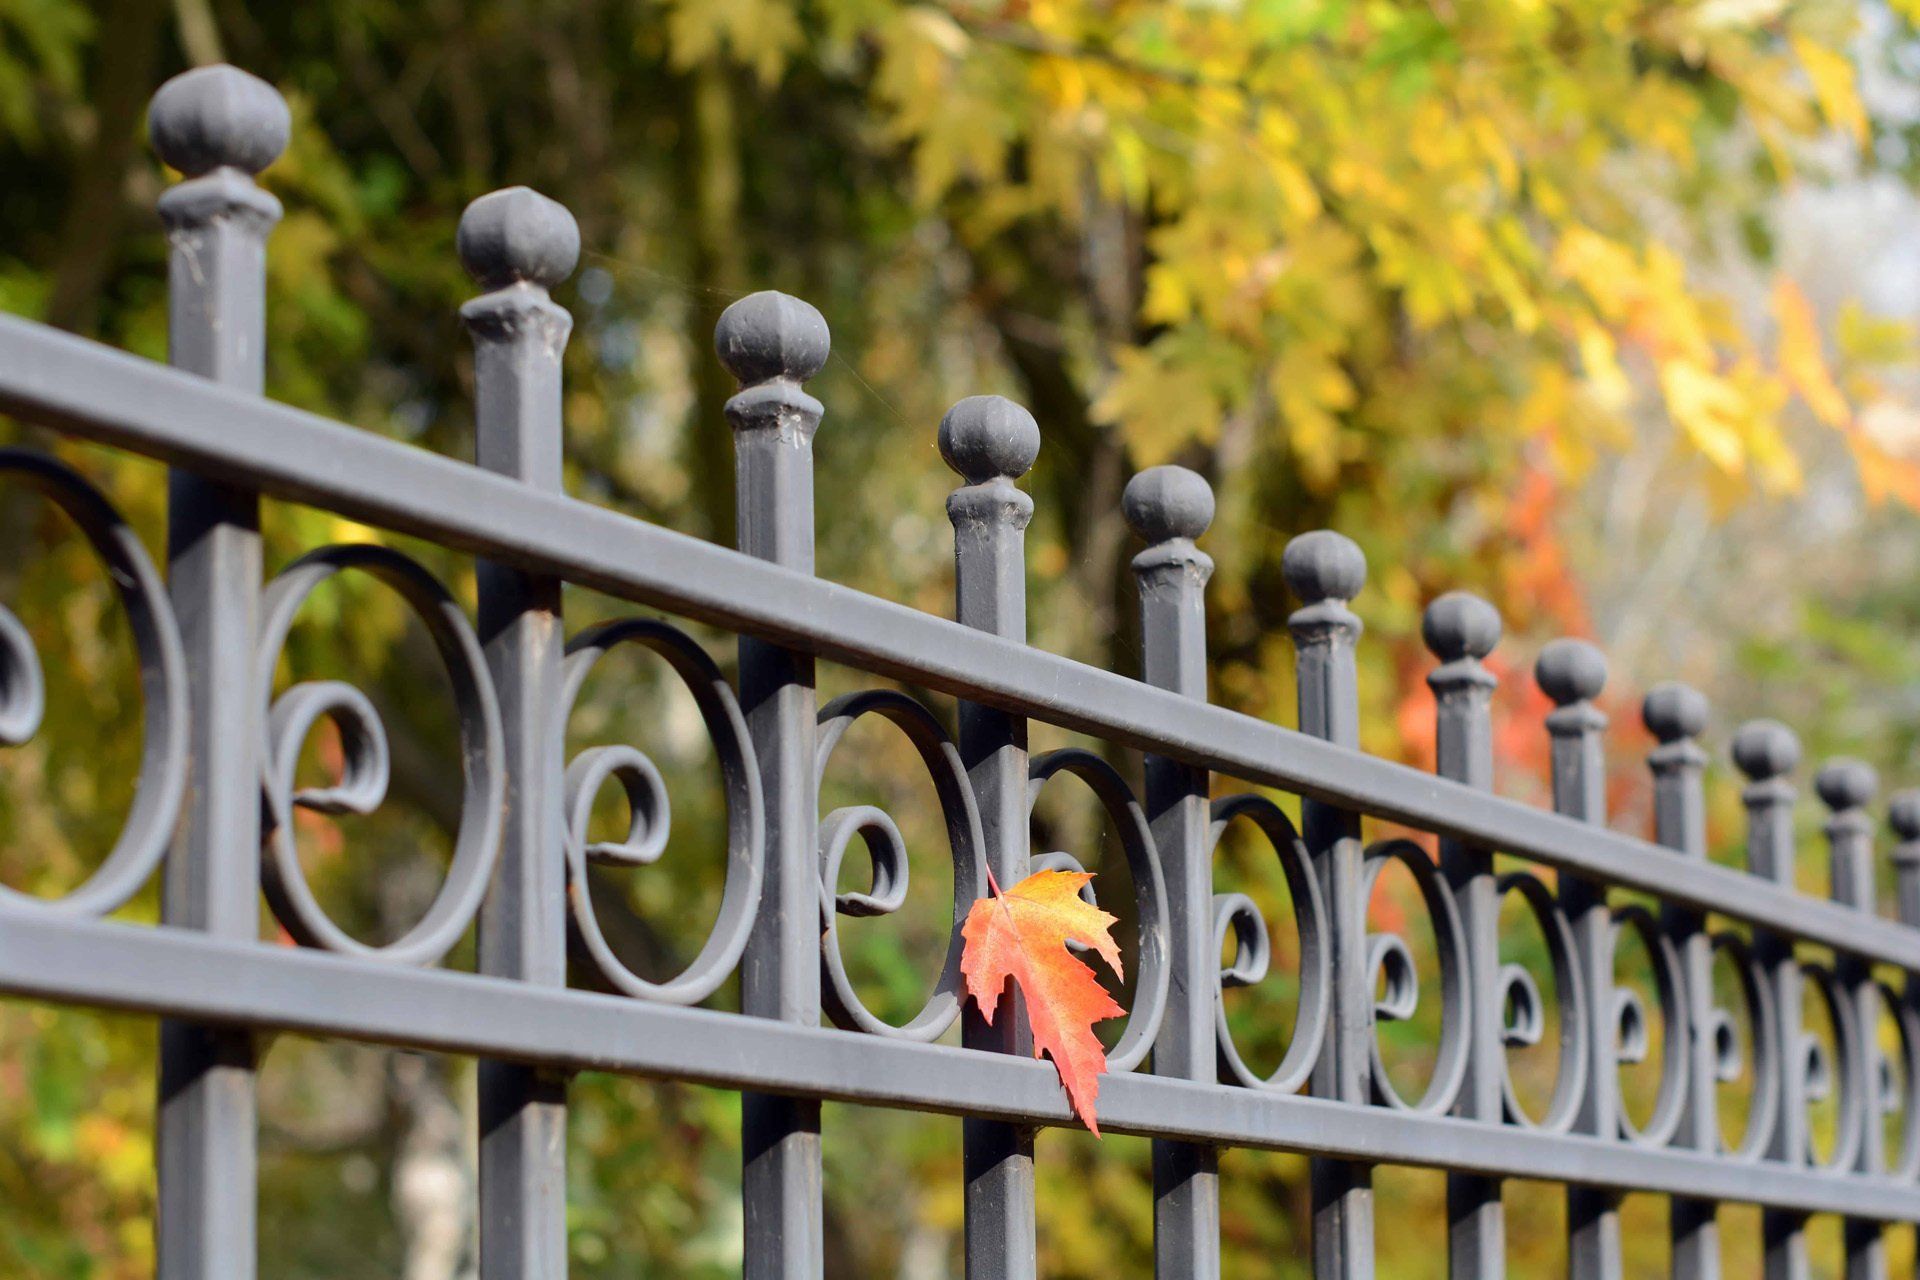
[(1023, 934)]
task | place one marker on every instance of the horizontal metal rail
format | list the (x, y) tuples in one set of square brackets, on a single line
[(103, 394), (186, 975)]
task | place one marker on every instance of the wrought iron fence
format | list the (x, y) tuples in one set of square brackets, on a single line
[(217, 795)]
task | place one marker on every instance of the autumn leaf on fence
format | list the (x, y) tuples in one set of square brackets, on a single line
[(1022, 934)]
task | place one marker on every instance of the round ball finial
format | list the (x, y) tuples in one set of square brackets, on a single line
[(1765, 749), (515, 236), (770, 335), (1903, 814), (1570, 671), (1324, 565), (1846, 783), (1673, 711), (983, 437), (1460, 625), (1163, 503), (218, 117)]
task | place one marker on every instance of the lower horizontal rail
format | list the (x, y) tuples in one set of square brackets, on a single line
[(175, 973)]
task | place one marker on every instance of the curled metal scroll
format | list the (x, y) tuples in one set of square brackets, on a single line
[(363, 782), (1824, 1077), (1235, 916), (888, 853), (162, 780), (1524, 1015), (1389, 958), (1756, 992), (1905, 1098), (649, 813), (1631, 1019), (1129, 821)]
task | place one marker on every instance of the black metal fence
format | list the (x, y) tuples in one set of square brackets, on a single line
[(217, 795)]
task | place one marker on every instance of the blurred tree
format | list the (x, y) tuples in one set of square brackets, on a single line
[(1406, 269)]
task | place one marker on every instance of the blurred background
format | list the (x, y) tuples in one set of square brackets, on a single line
[(1604, 310)]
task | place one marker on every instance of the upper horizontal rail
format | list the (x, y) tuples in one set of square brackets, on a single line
[(174, 972), (100, 393)]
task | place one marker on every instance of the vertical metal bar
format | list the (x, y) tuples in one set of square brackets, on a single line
[(1325, 570), (991, 442), (1766, 751), (517, 244), (772, 343), (1572, 673), (1903, 815), (218, 126), (1675, 714), (1461, 629), (1846, 787), (1168, 507)]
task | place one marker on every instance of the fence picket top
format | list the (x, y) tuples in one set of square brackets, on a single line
[(772, 337), (518, 236), (1903, 815), (1765, 751), (218, 117), (1845, 784), (1675, 714), (1572, 673), (1324, 570), (1166, 503), (1460, 629), (986, 438)]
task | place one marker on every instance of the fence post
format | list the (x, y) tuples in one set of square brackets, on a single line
[(1846, 787), (219, 126), (1572, 673), (517, 244), (1675, 714), (1460, 629), (991, 442), (1903, 815), (1766, 751), (1325, 570), (772, 343), (1169, 507)]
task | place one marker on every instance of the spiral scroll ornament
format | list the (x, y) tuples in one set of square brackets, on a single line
[(1237, 919), (1898, 1096), (1834, 1075), (1636, 1034), (162, 780), (1391, 969), (649, 813), (1524, 1017), (887, 850), (362, 785), (1129, 820), (1762, 1017)]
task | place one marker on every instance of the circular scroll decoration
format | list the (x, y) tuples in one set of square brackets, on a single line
[(162, 780), (1524, 1013), (887, 851), (1839, 1076), (363, 783), (1237, 918), (649, 813), (1756, 993), (1904, 1097), (1129, 821), (1389, 958), (1631, 1018)]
